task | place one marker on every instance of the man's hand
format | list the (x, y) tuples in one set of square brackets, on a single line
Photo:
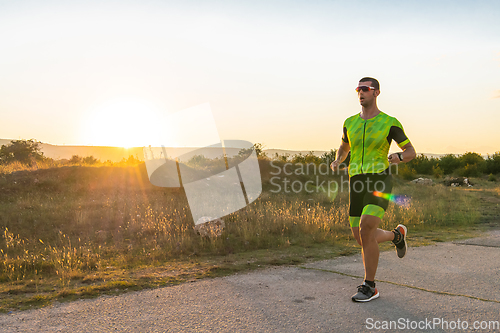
[(335, 165), (341, 156), (394, 159)]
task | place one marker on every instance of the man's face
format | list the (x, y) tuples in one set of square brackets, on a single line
[(366, 98)]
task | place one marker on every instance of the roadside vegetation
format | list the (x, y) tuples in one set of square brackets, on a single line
[(24, 155), (466, 165), (81, 228)]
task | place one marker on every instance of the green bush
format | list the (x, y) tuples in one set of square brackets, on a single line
[(406, 171), (437, 171), (471, 158), (75, 159), (23, 151), (306, 159), (283, 158), (470, 170), (90, 160), (449, 163), (329, 157), (423, 165), (492, 178), (492, 164)]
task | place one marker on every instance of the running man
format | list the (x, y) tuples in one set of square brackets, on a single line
[(368, 135)]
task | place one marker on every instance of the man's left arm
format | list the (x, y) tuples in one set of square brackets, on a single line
[(406, 155)]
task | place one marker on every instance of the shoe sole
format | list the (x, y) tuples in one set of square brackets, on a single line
[(404, 238), (376, 295)]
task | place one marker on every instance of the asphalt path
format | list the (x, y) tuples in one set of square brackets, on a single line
[(439, 288)]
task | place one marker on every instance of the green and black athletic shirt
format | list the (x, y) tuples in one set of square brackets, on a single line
[(370, 141)]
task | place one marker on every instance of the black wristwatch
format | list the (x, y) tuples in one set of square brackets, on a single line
[(400, 156)]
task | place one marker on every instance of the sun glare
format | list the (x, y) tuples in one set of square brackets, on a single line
[(125, 122)]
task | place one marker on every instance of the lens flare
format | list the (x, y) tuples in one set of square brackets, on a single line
[(401, 200)]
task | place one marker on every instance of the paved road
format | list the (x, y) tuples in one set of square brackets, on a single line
[(454, 282)]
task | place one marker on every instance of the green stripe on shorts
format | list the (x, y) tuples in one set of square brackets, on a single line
[(354, 221), (373, 210)]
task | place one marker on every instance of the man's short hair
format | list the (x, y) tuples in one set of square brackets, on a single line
[(375, 83)]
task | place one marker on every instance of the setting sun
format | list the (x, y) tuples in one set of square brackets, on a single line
[(124, 122)]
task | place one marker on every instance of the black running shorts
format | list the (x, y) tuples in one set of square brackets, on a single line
[(362, 200)]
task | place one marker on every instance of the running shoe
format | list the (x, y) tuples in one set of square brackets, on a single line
[(365, 293), (401, 245)]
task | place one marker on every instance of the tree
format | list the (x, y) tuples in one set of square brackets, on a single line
[(306, 159), (472, 165), (283, 158), (259, 151), (197, 161), (329, 157), (471, 158), (23, 151), (423, 165), (493, 163), (75, 159), (449, 163), (90, 160), (133, 160)]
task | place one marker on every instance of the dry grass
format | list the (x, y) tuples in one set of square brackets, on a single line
[(73, 230)]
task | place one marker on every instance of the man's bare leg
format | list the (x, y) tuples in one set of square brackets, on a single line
[(370, 251), (380, 235)]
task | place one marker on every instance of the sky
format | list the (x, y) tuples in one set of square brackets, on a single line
[(279, 73)]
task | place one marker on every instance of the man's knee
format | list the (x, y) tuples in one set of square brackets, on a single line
[(368, 226), (365, 234)]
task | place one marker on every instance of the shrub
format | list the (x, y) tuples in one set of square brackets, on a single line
[(437, 171), (23, 151), (471, 158), (311, 158), (306, 159), (90, 160), (406, 171), (471, 165), (492, 178), (259, 151), (131, 160), (449, 163), (469, 170), (75, 159), (282, 158), (492, 164), (422, 164), (329, 157)]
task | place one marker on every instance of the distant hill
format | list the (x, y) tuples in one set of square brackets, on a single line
[(57, 152), (273, 152), (4, 142), (116, 154)]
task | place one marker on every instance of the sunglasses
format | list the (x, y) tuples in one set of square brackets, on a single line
[(364, 88)]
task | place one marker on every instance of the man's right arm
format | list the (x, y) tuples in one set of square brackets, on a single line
[(341, 155)]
